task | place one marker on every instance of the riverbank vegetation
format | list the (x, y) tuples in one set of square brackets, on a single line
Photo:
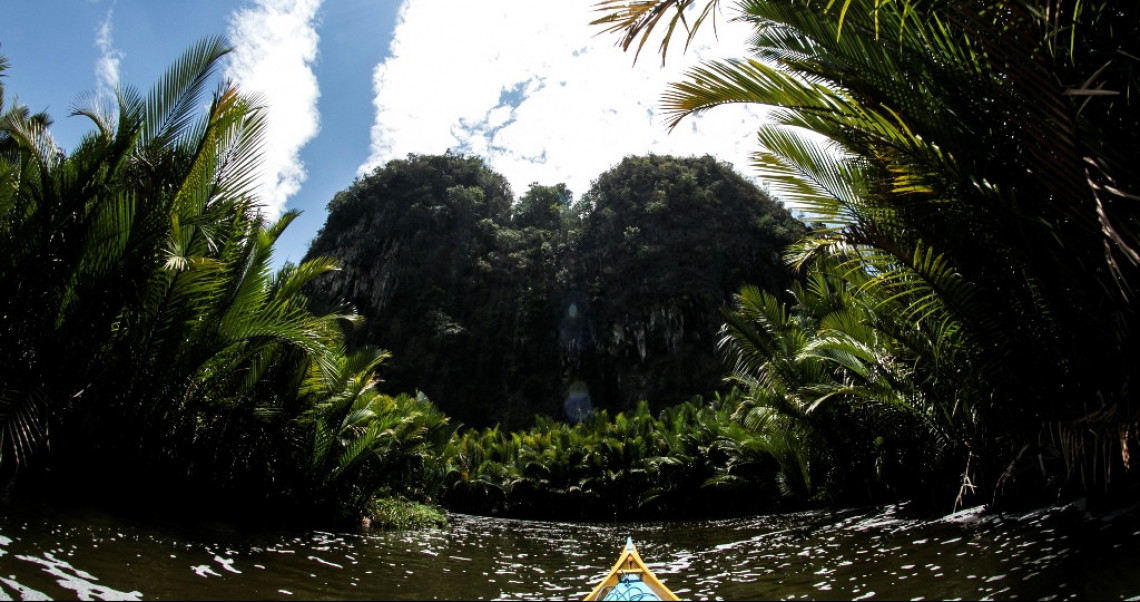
[(148, 351), (972, 164), (956, 327)]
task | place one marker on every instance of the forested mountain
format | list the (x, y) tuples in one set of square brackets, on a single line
[(501, 311)]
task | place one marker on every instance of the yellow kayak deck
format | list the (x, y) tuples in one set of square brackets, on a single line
[(630, 579)]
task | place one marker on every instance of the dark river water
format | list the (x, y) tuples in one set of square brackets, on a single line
[(872, 553)]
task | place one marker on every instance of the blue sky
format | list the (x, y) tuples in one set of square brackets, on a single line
[(351, 84)]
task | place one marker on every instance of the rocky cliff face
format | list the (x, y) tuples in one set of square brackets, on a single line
[(500, 311)]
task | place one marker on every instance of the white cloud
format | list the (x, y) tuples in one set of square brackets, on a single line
[(107, 65), (275, 46), (537, 92)]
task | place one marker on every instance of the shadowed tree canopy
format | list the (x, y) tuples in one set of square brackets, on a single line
[(665, 243), (414, 238), (497, 312)]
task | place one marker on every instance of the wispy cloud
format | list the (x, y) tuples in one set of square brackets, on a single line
[(533, 89), (107, 65), (275, 47)]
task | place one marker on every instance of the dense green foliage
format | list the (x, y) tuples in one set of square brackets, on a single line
[(402, 514), (972, 284), (147, 351), (690, 459), (150, 353), (136, 291), (664, 244), (959, 331), (500, 313), (417, 240)]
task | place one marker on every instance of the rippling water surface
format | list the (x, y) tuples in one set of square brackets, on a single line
[(856, 554)]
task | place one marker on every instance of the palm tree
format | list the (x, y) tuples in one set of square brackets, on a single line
[(967, 165), (142, 325), (831, 388), (362, 441)]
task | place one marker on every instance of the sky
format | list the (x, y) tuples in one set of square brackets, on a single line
[(528, 85)]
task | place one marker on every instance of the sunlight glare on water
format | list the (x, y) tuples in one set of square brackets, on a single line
[(854, 554)]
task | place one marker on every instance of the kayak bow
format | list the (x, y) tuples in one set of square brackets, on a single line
[(630, 579)]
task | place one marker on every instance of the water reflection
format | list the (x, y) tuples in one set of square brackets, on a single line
[(865, 554)]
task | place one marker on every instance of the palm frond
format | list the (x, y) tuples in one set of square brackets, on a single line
[(639, 18), (745, 81), (171, 105), (23, 425)]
